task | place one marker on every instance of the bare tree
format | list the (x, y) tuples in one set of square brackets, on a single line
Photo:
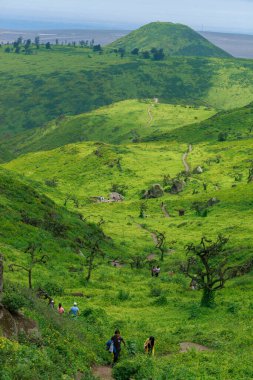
[(32, 261), (161, 243), (94, 251), (208, 265)]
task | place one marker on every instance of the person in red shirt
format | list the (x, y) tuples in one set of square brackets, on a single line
[(60, 309)]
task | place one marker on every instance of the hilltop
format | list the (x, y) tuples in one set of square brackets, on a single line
[(174, 39)]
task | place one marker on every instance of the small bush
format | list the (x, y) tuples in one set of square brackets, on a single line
[(155, 292), (160, 301), (123, 295), (13, 301), (53, 289)]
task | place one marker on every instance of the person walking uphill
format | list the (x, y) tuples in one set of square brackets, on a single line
[(149, 346), (117, 340), (74, 311)]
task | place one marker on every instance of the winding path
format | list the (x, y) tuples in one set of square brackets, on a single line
[(165, 212), (103, 372), (184, 159)]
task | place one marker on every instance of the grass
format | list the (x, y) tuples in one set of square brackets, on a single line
[(126, 121), (56, 166), (175, 39), (65, 81)]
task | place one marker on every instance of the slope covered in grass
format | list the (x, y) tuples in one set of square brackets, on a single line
[(127, 121), (175, 39), (28, 216), (134, 301), (230, 125), (66, 81)]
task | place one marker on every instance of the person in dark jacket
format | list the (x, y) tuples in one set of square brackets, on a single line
[(117, 340)]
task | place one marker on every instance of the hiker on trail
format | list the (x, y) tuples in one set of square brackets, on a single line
[(74, 311), (60, 309), (51, 303), (153, 271), (149, 346), (156, 271), (117, 340)]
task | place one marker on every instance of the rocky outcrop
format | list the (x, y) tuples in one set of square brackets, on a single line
[(155, 191), (12, 324), (198, 170), (177, 186)]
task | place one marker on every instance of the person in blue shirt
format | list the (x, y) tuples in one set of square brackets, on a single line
[(74, 311)]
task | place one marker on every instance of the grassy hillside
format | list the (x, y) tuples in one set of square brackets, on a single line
[(164, 307), (68, 81), (230, 125), (30, 217), (123, 122), (175, 39)]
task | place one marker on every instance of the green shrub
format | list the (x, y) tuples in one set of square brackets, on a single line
[(155, 292), (13, 301), (52, 288), (123, 295), (138, 368), (162, 300)]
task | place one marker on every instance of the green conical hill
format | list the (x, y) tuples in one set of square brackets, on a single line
[(175, 39)]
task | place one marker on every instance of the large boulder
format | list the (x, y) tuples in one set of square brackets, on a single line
[(198, 170), (155, 191), (116, 197), (11, 324), (212, 201), (177, 186)]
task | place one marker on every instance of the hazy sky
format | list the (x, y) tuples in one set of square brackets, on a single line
[(223, 15)]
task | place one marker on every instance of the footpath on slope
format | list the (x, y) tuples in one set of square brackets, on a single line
[(102, 372), (184, 159)]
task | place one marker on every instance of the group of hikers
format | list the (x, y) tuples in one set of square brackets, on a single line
[(155, 271), (114, 345), (74, 310)]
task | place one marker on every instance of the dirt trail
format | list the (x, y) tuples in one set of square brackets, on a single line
[(150, 115), (184, 159), (186, 346), (102, 372), (165, 212)]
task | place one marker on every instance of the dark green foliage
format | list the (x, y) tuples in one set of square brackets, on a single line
[(52, 288), (123, 295), (155, 291), (222, 136), (13, 299)]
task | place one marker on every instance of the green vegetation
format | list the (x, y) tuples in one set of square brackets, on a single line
[(122, 122), (174, 39), (62, 81), (186, 174)]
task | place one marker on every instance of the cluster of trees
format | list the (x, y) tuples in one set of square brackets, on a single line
[(25, 46), (154, 53)]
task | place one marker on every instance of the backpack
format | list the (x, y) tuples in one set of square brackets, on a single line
[(109, 346)]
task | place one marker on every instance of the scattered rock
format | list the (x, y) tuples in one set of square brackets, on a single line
[(116, 197), (155, 191), (177, 186), (198, 170), (186, 346), (77, 294), (11, 324), (212, 201), (151, 257)]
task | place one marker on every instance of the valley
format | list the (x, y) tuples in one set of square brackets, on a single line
[(119, 153)]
